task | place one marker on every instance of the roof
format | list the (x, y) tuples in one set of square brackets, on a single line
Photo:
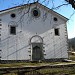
[(16, 7)]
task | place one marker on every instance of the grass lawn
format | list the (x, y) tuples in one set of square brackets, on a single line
[(72, 57), (46, 71)]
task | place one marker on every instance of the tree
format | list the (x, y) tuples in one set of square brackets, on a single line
[(72, 2), (72, 43)]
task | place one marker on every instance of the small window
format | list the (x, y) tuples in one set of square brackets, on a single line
[(56, 31), (55, 19), (0, 19), (13, 30), (35, 12), (13, 15), (0, 24)]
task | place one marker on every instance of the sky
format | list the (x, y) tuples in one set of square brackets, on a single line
[(66, 11)]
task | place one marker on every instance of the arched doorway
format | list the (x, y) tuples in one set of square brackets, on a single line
[(36, 46)]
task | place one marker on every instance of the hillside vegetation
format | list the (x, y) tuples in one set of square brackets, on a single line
[(72, 44)]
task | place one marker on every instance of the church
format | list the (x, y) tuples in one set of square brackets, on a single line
[(32, 32)]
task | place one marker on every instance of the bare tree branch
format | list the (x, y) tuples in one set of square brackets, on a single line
[(72, 14), (60, 6)]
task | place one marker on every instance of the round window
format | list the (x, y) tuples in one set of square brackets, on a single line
[(13, 15), (55, 19), (36, 12)]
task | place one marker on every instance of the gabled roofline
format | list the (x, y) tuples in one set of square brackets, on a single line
[(16, 7), (63, 17)]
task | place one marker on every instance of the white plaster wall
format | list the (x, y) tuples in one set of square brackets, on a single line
[(16, 47)]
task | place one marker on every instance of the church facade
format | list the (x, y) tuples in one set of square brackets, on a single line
[(32, 32)]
